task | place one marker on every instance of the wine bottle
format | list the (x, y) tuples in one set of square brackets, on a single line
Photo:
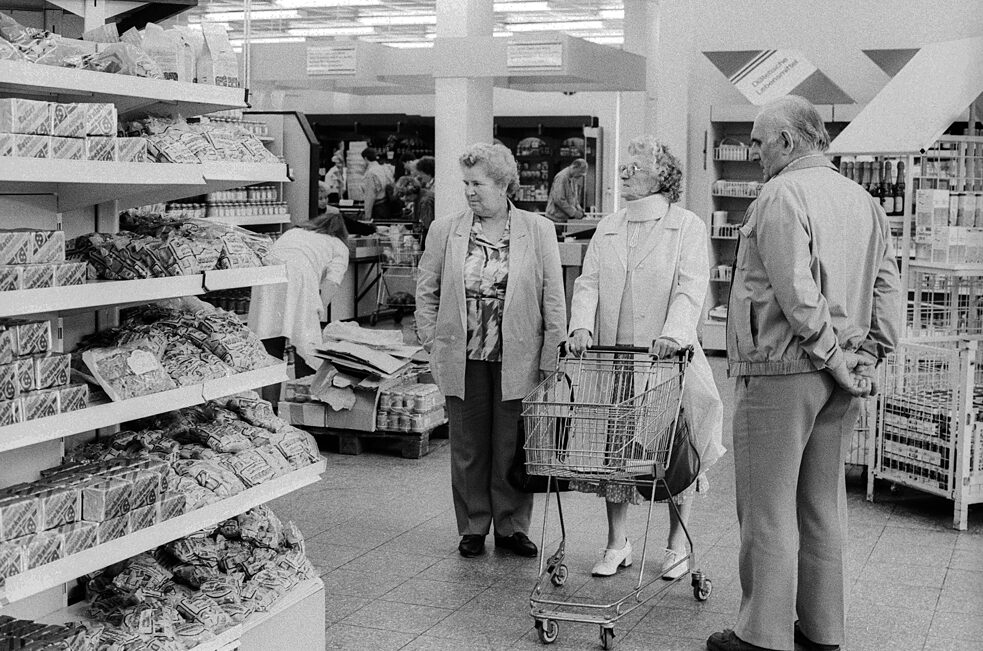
[(875, 188), (899, 190), (862, 174), (887, 197), (846, 168)]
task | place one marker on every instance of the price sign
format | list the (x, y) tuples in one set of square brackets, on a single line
[(537, 56), (331, 60)]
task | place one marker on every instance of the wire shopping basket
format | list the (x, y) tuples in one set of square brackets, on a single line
[(608, 414)]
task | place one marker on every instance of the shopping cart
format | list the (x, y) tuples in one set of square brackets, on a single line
[(608, 415), (397, 279)]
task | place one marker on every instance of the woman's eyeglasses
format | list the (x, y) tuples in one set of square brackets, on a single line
[(628, 171)]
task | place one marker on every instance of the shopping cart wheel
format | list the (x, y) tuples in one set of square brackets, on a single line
[(548, 629), (559, 576), (702, 589), (607, 638), (398, 316), (373, 319)]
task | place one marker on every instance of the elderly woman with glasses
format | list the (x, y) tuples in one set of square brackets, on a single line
[(491, 311), (643, 283)]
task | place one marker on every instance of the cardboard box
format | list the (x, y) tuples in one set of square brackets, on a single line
[(10, 412), (7, 345), (26, 375), (361, 417), (931, 209), (27, 337), (67, 148), (15, 247), (40, 404), (131, 150), (9, 386), (100, 148), (52, 370), (71, 273), (11, 278), (949, 244), (26, 146), (68, 120), (37, 276), (25, 116), (100, 119), (73, 397)]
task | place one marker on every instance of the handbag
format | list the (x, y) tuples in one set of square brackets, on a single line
[(681, 471), (522, 481)]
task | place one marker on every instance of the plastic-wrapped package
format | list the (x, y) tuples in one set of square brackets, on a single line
[(211, 476), (124, 59), (128, 371), (8, 52), (261, 527), (251, 468), (256, 411), (298, 447), (192, 634), (204, 609), (223, 589), (223, 438)]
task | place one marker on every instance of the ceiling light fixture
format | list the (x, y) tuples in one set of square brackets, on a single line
[(519, 7), (555, 26), (606, 40), (409, 45), (611, 14), (320, 4), (239, 42), (421, 19), (331, 31), (276, 14)]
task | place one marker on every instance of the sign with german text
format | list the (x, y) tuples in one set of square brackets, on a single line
[(331, 60), (535, 56), (764, 75)]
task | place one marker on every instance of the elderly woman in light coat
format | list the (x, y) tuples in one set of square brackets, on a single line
[(643, 283), (490, 310)]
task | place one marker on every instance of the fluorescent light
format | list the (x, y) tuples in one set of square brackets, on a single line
[(407, 45), (501, 33), (612, 14), (317, 4), (420, 19), (276, 14), (555, 27), (331, 31), (239, 42), (516, 7), (606, 40)]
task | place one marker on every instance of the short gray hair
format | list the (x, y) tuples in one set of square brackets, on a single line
[(497, 161), (801, 117), (661, 163), (579, 164)]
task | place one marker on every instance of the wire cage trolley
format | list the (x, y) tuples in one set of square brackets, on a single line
[(609, 415), (397, 279)]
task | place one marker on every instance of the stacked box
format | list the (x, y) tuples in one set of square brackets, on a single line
[(52, 370), (67, 148), (100, 148), (18, 516), (68, 120), (71, 273), (46, 246), (6, 144), (10, 412), (73, 397), (146, 488), (100, 119), (25, 116), (26, 375), (143, 517), (11, 560), (9, 386), (171, 505), (28, 337), (16, 247), (11, 278), (78, 536), (40, 549), (26, 146), (37, 276), (40, 404), (112, 529), (106, 500), (131, 150), (57, 505)]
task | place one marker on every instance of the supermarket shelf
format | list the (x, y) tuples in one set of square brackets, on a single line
[(133, 96), (85, 183), (252, 220), (123, 292), (956, 269), (61, 571), (31, 432), (239, 174), (230, 278)]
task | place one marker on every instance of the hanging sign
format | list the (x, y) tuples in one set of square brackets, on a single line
[(538, 56), (771, 74), (331, 60)]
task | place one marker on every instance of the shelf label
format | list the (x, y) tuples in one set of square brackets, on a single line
[(331, 60), (535, 56)]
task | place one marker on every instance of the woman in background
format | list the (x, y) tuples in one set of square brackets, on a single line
[(316, 257)]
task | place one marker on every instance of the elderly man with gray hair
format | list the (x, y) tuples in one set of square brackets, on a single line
[(568, 186), (814, 305)]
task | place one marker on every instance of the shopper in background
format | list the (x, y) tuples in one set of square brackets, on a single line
[(334, 179), (408, 190), (316, 256), (814, 305), (376, 187), (423, 170), (352, 225), (490, 311), (568, 187), (644, 279)]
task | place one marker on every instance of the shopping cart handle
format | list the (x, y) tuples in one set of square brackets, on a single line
[(684, 353)]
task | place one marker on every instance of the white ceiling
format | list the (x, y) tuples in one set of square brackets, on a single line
[(404, 23)]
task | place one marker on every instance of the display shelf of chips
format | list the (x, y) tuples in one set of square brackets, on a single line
[(132, 96), (106, 414), (69, 567)]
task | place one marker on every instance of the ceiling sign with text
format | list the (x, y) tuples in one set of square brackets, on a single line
[(764, 75), (535, 56), (331, 60)]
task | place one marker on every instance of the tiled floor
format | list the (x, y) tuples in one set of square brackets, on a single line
[(381, 529)]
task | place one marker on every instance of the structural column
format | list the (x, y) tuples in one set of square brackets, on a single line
[(463, 105)]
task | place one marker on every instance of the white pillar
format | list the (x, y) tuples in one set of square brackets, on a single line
[(632, 105), (670, 57), (463, 106)]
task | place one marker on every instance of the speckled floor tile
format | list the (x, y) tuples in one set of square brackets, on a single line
[(392, 616), (358, 638)]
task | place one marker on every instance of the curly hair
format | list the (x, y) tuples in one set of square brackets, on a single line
[(406, 186), (660, 163), (497, 161)]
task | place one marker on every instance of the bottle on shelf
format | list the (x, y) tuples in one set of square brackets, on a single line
[(863, 174), (887, 197), (899, 190), (847, 169), (875, 188)]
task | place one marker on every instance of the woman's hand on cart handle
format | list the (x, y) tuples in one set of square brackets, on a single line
[(579, 341), (664, 347)]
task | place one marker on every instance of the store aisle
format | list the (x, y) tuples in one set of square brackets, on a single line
[(381, 529)]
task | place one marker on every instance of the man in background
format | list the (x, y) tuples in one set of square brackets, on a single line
[(568, 188), (814, 306)]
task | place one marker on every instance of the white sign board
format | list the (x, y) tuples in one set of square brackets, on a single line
[(539, 56), (772, 74), (331, 60)]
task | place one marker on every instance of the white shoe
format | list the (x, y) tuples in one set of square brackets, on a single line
[(612, 560), (670, 573)]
